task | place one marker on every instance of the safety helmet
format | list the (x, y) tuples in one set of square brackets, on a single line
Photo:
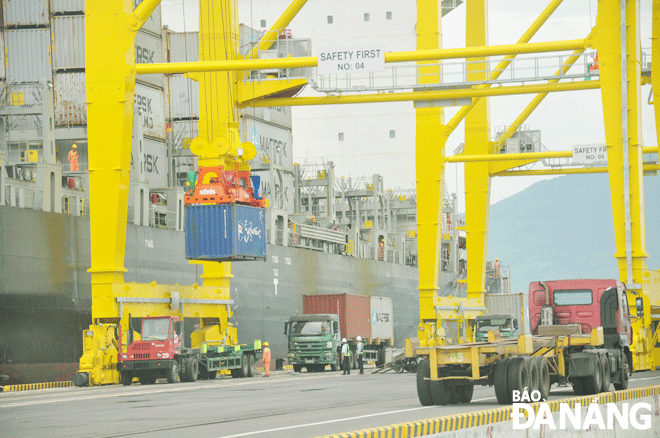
[(266, 344), (343, 340), (74, 146), (359, 338)]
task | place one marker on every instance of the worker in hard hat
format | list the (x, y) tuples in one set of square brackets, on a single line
[(266, 359), (358, 353), (73, 158), (496, 265), (345, 356)]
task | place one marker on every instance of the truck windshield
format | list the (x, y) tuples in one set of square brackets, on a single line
[(574, 297), (155, 329), (492, 324), (310, 328)]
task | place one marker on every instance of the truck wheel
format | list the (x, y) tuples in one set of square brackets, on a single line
[(334, 367), (126, 378), (442, 392), (423, 387), (607, 373), (212, 375), (541, 365), (235, 373), (351, 361), (192, 369), (465, 393), (398, 366), (381, 358), (533, 374), (500, 380), (203, 372), (298, 368), (623, 382), (173, 373), (592, 384), (412, 365), (251, 365), (517, 378), (245, 366)]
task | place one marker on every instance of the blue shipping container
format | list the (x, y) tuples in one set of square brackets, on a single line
[(225, 232)]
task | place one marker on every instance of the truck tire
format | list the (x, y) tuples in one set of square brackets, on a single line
[(334, 367), (381, 358), (623, 382), (398, 366), (412, 365), (533, 374), (592, 384), (245, 366), (173, 373), (465, 393), (500, 381), (298, 368), (352, 363), (203, 372), (543, 371), (423, 387), (235, 373), (212, 375), (192, 369), (607, 373), (442, 392), (517, 378), (126, 378), (251, 365)]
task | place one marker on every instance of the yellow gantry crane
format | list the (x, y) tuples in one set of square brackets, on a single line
[(111, 72)]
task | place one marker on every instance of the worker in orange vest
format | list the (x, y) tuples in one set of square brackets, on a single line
[(73, 158), (496, 265), (266, 359)]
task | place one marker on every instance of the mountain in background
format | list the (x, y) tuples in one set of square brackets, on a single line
[(563, 228)]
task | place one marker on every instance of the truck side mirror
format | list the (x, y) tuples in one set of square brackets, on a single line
[(515, 324), (286, 328), (640, 306)]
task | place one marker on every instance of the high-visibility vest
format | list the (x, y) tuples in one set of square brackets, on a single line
[(73, 155), (344, 349)]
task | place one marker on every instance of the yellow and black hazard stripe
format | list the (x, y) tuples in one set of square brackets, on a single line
[(35, 386)]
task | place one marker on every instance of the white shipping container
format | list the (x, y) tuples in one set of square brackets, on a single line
[(149, 50), (151, 114), (277, 115), (155, 23), (150, 159), (28, 55), (273, 144), (382, 318), (60, 6), (183, 95), (25, 12), (183, 47), (277, 187), (70, 99), (516, 305), (182, 132), (69, 42)]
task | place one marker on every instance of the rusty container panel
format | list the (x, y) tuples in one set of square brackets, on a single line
[(69, 42), (25, 12), (182, 47), (151, 111), (353, 311), (149, 50), (70, 99), (62, 6), (28, 55), (183, 97)]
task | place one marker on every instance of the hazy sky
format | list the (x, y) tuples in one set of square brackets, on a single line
[(565, 119)]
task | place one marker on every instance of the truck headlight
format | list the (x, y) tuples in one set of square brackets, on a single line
[(158, 354), (327, 355), (124, 356), (329, 344)]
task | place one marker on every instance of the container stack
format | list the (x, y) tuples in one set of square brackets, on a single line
[(42, 39)]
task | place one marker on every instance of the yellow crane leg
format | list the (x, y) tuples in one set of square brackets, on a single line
[(655, 72), (477, 181), (618, 52), (429, 168)]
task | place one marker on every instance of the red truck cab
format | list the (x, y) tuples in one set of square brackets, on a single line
[(589, 303)]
